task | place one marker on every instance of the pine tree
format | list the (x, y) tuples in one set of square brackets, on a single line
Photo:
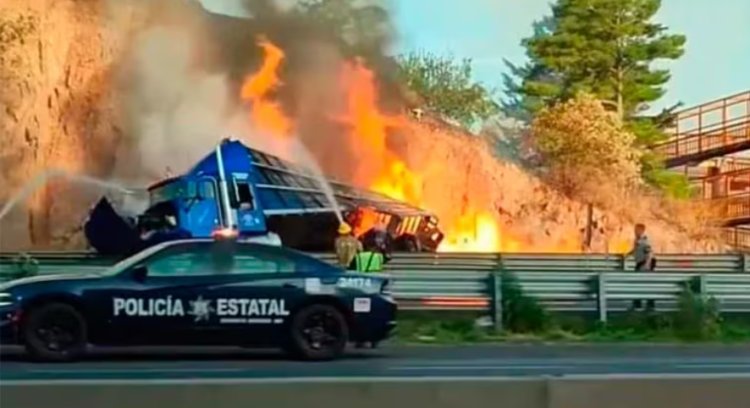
[(604, 47)]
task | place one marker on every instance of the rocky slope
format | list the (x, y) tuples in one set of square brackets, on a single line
[(57, 106)]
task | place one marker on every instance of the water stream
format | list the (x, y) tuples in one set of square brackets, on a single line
[(307, 160), (42, 178)]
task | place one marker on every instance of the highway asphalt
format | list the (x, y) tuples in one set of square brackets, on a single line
[(405, 362)]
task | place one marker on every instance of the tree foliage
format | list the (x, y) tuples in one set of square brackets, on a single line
[(531, 86), (446, 87), (584, 147), (604, 47)]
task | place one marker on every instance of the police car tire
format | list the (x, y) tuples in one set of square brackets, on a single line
[(36, 347), (299, 347)]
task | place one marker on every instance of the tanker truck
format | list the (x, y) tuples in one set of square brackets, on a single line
[(244, 193)]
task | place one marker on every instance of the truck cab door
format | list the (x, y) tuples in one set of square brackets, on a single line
[(244, 202), (200, 213)]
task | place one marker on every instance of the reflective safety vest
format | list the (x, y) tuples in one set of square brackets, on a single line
[(368, 261)]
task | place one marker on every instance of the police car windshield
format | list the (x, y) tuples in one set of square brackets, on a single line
[(132, 260)]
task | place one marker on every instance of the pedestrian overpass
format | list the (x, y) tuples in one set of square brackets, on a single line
[(709, 143)]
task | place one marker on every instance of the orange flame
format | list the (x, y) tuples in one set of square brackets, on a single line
[(476, 231), (472, 232), (378, 167), (266, 114), (392, 176), (363, 220)]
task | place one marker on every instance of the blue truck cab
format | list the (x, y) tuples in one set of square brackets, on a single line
[(245, 193)]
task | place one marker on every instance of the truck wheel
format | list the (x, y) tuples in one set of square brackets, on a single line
[(318, 332), (55, 332)]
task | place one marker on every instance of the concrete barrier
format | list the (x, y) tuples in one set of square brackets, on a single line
[(559, 392)]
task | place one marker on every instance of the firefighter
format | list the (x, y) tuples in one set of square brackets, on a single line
[(383, 242), (371, 259), (347, 247)]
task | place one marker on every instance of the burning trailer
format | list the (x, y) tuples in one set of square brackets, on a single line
[(244, 192)]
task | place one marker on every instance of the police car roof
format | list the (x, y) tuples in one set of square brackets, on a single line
[(249, 244)]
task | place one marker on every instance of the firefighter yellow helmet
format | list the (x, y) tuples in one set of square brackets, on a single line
[(344, 228)]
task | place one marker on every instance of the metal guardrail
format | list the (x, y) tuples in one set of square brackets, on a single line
[(62, 262), (600, 293), (596, 292)]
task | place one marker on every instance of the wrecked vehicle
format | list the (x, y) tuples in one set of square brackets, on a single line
[(244, 193)]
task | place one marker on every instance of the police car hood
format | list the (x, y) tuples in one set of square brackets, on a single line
[(48, 278)]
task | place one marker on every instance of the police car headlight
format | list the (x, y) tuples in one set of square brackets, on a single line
[(6, 299)]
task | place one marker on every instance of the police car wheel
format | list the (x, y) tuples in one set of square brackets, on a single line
[(54, 332), (318, 332)]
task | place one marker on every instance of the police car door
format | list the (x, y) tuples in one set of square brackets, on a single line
[(176, 300), (260, 299)]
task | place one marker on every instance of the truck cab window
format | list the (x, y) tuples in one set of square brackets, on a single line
[(244, 197)]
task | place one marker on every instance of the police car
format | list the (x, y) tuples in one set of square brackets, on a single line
[(200, 292)]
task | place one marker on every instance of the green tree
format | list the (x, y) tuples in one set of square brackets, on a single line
[(531, 86), (446, 87), (606, 48)]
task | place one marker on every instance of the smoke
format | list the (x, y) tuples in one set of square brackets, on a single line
[(174, 110), (180, 79)]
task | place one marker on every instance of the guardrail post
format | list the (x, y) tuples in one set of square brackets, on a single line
[(702, 286), (601, 296), (743, 263), (496, 291), (622, 261)]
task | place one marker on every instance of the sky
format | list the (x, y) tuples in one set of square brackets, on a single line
[(716, 61)]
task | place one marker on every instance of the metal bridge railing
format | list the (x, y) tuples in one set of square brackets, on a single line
[(709, 130)]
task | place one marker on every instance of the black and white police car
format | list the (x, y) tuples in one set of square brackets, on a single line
[(200, 292)]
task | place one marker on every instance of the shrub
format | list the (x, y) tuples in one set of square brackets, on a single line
[(697, 317), (521, 313), (583, 148)]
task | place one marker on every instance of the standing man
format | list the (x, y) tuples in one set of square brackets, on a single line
[(642, 252), (644, 259), (347, 246)]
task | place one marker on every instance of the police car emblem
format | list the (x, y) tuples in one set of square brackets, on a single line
[(201, 309)]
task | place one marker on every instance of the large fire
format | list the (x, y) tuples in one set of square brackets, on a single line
[(379, 168), (266, 114), (369, 127)]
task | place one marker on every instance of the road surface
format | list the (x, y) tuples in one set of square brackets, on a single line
[(412, 362)]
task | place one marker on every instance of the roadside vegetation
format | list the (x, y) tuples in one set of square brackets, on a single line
[(697, 319)]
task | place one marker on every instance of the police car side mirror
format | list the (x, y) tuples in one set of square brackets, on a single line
[(139, 273)]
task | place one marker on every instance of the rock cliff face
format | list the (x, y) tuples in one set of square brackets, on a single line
[(57, 108), (535, 217), (63, 107)]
